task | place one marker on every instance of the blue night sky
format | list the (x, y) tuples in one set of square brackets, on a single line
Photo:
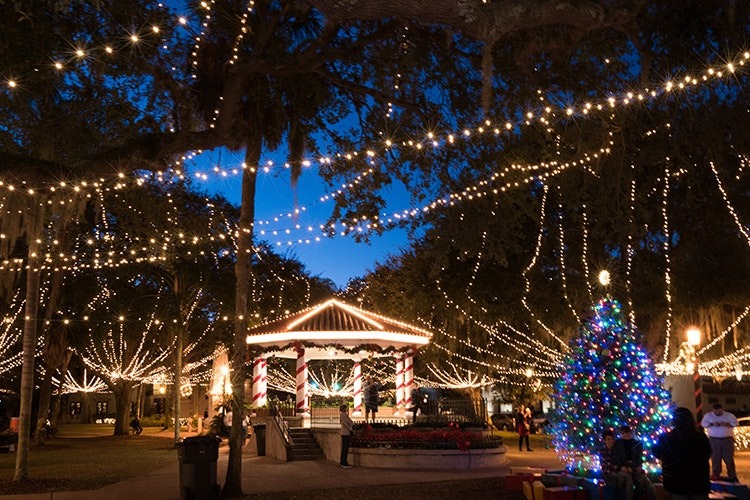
[(338, 258)]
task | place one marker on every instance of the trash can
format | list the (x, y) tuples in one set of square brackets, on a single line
[(260, 438), (198, 456)]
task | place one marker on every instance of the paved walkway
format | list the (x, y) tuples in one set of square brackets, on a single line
[(267, 475)]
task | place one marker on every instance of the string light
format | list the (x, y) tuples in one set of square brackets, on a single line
[(561, 258), (532, 263), (740, 227), (630, 251), (667, 263), (459, 378), (10, 334)]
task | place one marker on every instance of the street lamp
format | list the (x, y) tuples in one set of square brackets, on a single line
[(529, 374), (694, 339)]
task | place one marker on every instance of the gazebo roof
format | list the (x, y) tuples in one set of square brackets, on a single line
[(321, 328)]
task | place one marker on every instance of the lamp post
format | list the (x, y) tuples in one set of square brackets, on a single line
[(694, 339)]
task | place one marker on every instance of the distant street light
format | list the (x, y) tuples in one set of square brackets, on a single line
[(693, 336), (604, 277), (529, 373)]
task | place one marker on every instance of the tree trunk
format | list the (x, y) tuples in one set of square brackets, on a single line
[(122, 390), (139, 401), (55, 411), (55, 346), (29, 345), (177, 381), (45, 396), (168, 407), (243, 271)]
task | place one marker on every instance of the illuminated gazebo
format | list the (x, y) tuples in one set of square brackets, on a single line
[(335, 330)]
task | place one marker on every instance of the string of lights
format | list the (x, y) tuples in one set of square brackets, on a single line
[(532, 263), (666, 236)]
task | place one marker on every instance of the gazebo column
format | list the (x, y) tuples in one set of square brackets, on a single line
[(357, 389), (400, 384), (408, 381), (260, 379), (302, 393)]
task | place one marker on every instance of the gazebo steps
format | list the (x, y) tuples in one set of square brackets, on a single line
[(304, 446)]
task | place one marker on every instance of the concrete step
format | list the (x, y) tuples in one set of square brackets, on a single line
[(305, 447), (303, 439), (299, 455)]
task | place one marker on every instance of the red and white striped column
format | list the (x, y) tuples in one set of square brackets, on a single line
[(260, 382), (302, 393), (408, 381), (400, 384), (357, 389)]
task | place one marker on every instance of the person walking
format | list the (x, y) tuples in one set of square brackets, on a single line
[(720, 426), (346, 434), (684, 453)]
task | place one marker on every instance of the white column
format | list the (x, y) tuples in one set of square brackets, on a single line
[(302, 393), (408, 381), (357, 389), (263, 382), (259, 397), (400, 384)]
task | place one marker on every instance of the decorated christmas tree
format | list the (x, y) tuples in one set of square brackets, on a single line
[(608, 381)]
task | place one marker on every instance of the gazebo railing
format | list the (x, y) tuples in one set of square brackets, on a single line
[(285, 408), (438, 413), (324, 417)]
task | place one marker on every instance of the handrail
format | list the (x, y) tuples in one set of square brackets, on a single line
[(282, 425)]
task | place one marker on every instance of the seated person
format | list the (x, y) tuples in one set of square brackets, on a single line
[(629, 454), (622, 481), (136, 425)]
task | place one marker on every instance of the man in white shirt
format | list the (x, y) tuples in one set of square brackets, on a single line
[(720, 426)]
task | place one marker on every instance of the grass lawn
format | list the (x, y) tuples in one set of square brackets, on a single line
[(87, 456), (536, 441)]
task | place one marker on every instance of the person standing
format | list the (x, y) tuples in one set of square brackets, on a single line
[(720, 426), (522, 427), (684, 453), (346, 435), (245, 427), (371, 397)]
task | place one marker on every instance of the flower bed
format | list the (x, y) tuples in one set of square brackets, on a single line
[(428, 452), (410, 438)]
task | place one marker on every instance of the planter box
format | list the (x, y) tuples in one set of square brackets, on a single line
[(428, 459)]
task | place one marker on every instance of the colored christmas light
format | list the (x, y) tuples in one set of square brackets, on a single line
[(608, 381)]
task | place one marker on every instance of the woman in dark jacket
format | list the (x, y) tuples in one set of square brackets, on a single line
[(684, 452)]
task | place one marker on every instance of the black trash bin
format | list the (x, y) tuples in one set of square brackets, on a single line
[(198, 456), (260, 438)]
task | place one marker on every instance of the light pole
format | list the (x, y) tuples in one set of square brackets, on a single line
[(694, 339)]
